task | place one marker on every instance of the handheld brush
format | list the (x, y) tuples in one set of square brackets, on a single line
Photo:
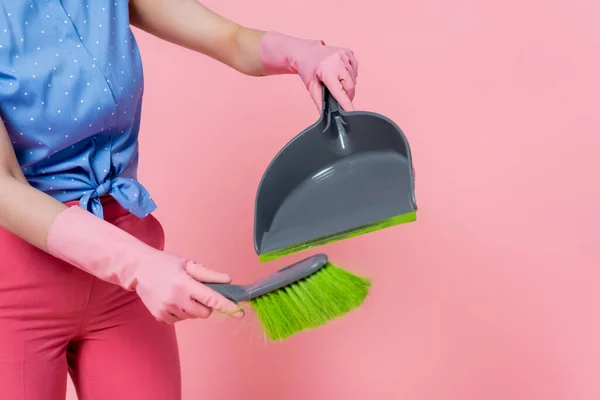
[(301, 296)]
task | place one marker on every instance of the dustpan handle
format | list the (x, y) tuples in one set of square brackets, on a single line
[(332, 118), (330, 104)]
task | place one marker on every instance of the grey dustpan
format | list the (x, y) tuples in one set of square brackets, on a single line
[(349, 173)]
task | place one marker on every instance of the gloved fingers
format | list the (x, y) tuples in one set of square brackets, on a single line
[(351, 65), (316, 93), (207, 297), (213, 300), (354, 63), (167, 318), (203, 274), (179, 313), (348, 83), (196, 309), (334, 85)]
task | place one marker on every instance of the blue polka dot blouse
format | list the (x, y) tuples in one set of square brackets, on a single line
[(71, 86)]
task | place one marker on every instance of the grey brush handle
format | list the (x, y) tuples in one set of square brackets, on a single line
[(235, 293), (272, 282)]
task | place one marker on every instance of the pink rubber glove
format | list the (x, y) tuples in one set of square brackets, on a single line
[(169, 286), (315, 62)]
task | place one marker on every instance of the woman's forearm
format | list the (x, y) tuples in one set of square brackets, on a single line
[(24, 210), (192, 25)]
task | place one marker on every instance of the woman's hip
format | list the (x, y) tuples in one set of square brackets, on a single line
[(32, 282)]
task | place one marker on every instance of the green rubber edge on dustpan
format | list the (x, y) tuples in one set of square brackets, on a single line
[(385, 223)]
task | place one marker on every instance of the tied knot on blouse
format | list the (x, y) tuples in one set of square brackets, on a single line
[(129, 193), (103, 188)]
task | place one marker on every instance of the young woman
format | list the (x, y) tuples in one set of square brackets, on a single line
[(85, 286)]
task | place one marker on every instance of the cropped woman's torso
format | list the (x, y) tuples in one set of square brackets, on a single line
[(71, 86)]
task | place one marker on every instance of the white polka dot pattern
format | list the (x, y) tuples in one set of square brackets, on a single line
[(71, 87)]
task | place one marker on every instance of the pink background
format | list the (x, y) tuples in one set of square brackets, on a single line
[(493, 293)]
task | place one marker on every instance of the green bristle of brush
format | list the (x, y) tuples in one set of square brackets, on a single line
[(386, 223), (327, 294)]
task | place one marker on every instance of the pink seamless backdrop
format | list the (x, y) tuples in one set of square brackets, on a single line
[(493, 293)]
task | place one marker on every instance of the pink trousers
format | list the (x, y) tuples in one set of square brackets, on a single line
[(56, 319)]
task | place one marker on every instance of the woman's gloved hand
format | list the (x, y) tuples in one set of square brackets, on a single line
[(168, 285), (315, 63)]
